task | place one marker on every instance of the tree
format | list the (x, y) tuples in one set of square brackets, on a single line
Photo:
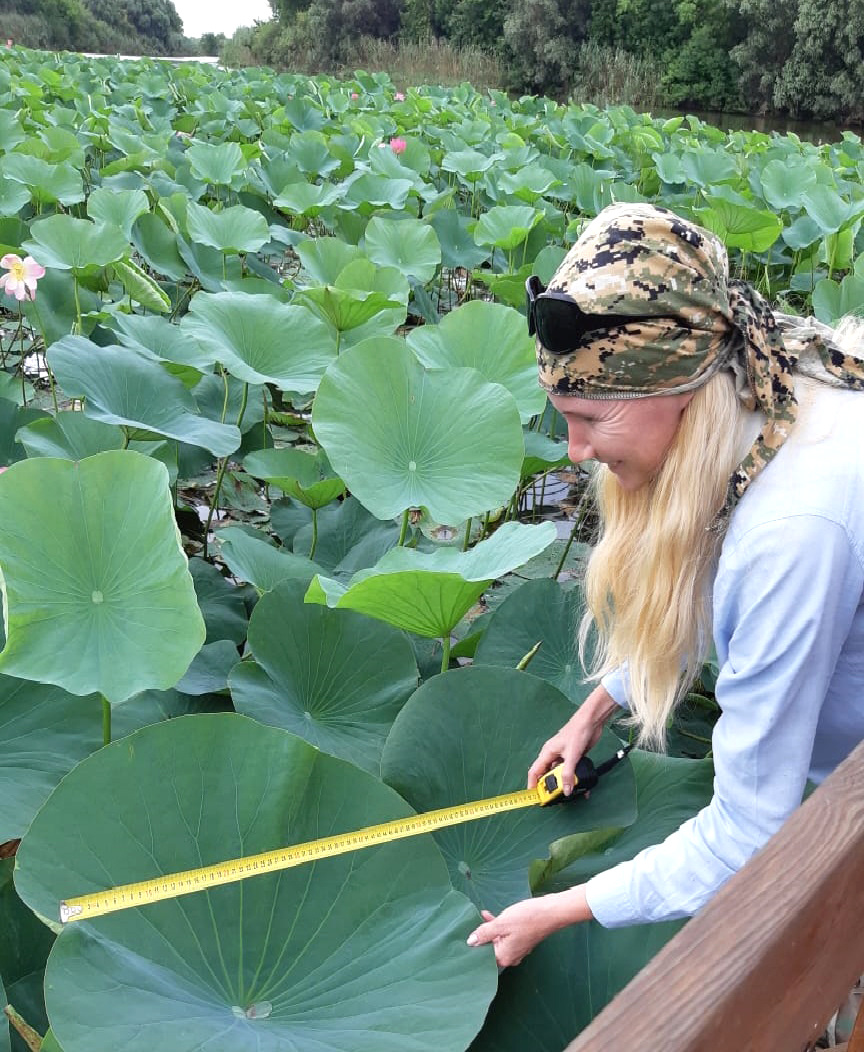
[(768, 31), (824, 77)]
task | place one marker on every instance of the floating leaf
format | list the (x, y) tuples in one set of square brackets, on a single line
[(92, 567), (332, 677), (403, 437), (358, 952)]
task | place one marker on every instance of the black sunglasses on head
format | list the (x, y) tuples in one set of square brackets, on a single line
[(560, 323)]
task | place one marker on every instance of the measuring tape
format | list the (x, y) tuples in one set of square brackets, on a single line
[(548, 790)]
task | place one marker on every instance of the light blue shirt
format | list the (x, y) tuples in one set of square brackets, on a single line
[(789, 634)]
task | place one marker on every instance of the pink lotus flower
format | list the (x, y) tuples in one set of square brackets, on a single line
[(398, 146), (399, 96), (23, 274), (354, 95)]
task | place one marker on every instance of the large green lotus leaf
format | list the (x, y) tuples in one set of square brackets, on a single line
[(119, 208), (67, 243), (490, 338), (402, 436), (565, 982), (539, 612), (430, 592), (833, 301), (349, 538), (123, 387), (305, 476), (156, 337), (235, 229), (740, 226), (542, 453), (470, 164), (307, 199), (251, 558), (829, 209), (157, 244), (409, 245), (363, 952), (94, 579), (69, 434), (261, 340), (221, 603), (44, 732), (375, 191), (208, 673), (25, 943), (335, 678), (324, 258), (347, 309), (13, 197), (5, 1036), (46, 182), (481, 729), (12, 419), (458, 247), (215, 163), (784, 184), (506, 226), (669, 791)]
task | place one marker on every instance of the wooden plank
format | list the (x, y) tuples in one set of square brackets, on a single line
[(764, 965)]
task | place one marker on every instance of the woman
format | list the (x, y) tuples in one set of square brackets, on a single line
[(731, 496)]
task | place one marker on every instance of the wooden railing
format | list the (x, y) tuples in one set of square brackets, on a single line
[(764, 965)]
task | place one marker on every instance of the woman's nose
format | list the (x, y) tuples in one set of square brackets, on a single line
[(579, 447)]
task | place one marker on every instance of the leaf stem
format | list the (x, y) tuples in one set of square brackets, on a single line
[(314, 533), (106, 721), (467, 534), (403, 533), (223, 464), (445, 657), (577, 522)]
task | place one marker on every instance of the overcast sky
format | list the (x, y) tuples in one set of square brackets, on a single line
[(220, 16)]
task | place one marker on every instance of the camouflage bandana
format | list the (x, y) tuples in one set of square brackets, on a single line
[(639, 259)]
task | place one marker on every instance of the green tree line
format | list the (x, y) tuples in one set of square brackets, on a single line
[(141, 27), (803, 58)]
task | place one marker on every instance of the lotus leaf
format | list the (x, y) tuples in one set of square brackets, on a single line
[(12, 419), (481, 729), (403, 437), (123, 387), (349, 538), (740, 226), (67, 243), (92, 567), (490, 338), (261, 340), (430, 592), (332, 677), (44, 732), (251, 558), (118, 208), (784, 184), (235, 229), (409, 245), (215, 163), (325, 258), (539, 612), (506, 226), (208, 673), (220, 602), (304, 476), (45, 182), (13, 197), (364, 952)]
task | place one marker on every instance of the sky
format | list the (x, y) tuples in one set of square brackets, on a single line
[(220, 16)]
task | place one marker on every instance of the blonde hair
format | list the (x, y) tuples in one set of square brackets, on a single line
[(648, 581)]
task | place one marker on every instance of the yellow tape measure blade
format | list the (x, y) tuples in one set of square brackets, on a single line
[(173, 885)]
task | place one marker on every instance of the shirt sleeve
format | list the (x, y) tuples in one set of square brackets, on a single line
[(784, 599)]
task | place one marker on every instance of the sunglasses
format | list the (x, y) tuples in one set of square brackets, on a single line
[(560, 323)]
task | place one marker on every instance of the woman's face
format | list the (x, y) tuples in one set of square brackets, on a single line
[(630, 435)]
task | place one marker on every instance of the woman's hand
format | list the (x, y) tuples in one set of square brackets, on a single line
[(578, 735), (516, 930)]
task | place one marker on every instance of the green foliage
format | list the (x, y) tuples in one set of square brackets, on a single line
[(824, 71), (541, 39), (768, 28), (144, 26)]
